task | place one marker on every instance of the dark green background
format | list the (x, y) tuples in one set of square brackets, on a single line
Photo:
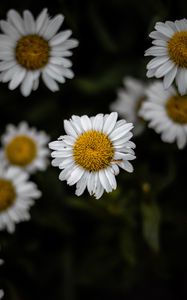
[(130, 244)]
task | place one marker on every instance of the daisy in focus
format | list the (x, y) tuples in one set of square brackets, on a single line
[(30, 48), (17, 195), (129, 101), (170, 51), (25, 147), (166, 112), (92, 151)]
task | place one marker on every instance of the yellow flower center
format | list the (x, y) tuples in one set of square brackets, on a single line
[(93, 150), (32, 52), (177, 48), (177, 109), (21, 150), (7, 194)]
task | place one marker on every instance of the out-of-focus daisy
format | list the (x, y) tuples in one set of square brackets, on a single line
[(1, 294), (25, 147), (129, 101), (17, 195), (92, 151), (170, 51), (30, 48), (166, 112)]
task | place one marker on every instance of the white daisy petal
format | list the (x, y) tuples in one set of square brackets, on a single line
[(9, 30), (169, 77), (29, 23), (41, 20), (86, 123), (53, 26), (164, 29), (60, 37), (17, 79), (50, 82), (27, 84), (110, 123), (181, 81), (16, 21)]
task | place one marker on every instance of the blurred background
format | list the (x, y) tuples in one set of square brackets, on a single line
[(131, 244)]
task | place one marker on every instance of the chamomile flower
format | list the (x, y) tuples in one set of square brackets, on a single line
[(25, 147), (17, 195), (129, 101), (166, 112), (92, 151), (30, 48), (170, 51)]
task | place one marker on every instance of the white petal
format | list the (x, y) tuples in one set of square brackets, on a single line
[(17, 79), (121, 131), (164, 29), (104, 181), (75, 176), (27, 84), (86, 123), (69, 128), (110, 123), (181, 80), (126, 165), (111, 178), (164, 69), (169, 77), (41, 19), (10, 30), (60, 37), (29, 22), (53, 26), (16, 20), (50, 82), (98, 122), (156, 51), (157, 61)]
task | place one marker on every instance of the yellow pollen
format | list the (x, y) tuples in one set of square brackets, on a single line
[(93, 150), (7, 194), (177, 109), (21, 150), (32, 52), (177, 48)]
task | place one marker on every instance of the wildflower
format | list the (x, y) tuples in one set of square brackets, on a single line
[(30, 48), (170, 51), (92, 151), (17, 195), (25, 147), (166, 112)]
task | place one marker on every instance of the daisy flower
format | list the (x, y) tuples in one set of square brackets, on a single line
[(25, 147), (30, 48), (92, 151), (166, 112), (170, 51), (129, 101), (17, 195)]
